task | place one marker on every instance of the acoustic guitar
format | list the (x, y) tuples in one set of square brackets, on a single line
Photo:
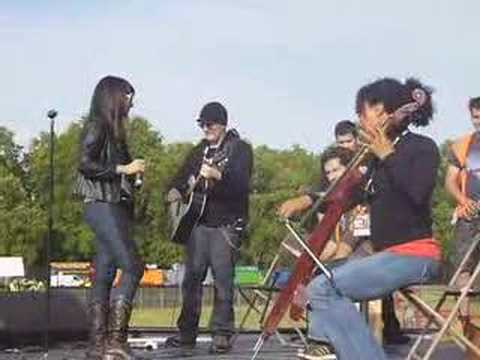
[(186, 212)]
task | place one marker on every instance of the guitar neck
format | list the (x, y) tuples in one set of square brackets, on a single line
[(219, 165)]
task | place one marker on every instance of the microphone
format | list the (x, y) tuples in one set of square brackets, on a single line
[(52, 114), (138, 183), (138, 180)]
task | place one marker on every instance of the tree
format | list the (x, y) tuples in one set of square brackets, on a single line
[(151, 216), (10, 152), (21, 218), (443, 206), (278, 175), (71, 238)]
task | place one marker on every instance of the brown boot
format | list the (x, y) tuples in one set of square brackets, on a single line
[(98, 330), (117, 347)]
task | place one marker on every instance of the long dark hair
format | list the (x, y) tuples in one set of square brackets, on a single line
[(393, 94), (109, 108)]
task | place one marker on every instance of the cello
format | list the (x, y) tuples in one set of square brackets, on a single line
[(338, 199)]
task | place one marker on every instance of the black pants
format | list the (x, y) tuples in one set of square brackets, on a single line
[(391, 325), (115, 249), (216, 248)]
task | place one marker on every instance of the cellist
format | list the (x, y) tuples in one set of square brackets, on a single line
[(399, 193)]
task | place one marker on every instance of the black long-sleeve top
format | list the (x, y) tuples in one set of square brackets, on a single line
[(402, 187), (227, 199)]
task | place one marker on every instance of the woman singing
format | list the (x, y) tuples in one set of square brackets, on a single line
[(105, 185)]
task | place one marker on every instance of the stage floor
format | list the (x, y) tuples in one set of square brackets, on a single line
[(272, 350)]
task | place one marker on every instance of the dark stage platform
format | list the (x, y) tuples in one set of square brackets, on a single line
[(272, 350)]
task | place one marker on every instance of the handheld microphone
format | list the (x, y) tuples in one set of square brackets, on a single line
[(138, 183), (138, 180)]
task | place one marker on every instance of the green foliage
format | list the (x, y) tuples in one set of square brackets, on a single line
[(443, 207), (283, 170), (10, 153), (151, 215), (71, 239), (278, 175), (21, 217)]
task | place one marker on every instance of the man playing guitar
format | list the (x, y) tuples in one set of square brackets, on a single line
[(215, 239)]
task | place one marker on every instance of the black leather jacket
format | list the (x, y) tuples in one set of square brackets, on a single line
[(97, 178)]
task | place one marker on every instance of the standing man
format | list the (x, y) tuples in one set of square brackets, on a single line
[(463, 183), (346, 135), (215, 240)]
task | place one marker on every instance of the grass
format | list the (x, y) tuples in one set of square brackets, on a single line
[(167, 317)]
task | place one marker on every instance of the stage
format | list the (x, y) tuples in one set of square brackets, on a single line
[(272, 350)]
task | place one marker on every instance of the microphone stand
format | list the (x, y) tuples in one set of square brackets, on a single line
[(52, 114)]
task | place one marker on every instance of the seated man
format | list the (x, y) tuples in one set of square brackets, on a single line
[(334, 162), (346, 241)]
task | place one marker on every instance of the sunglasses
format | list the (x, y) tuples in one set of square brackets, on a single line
[(206, 124)]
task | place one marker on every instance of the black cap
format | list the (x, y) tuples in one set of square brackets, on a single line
[(214, 112)]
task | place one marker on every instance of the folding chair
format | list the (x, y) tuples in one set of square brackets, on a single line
[(263, 294), (293, 246), (433, 313)]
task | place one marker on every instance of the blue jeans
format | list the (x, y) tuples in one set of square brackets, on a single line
[(115, 249), (215, 247), (335, 319)]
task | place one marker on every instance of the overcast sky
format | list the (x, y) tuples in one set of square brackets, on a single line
[(286, 70)]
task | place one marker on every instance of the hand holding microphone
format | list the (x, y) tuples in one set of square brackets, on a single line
[(136, 167), (138, 180)]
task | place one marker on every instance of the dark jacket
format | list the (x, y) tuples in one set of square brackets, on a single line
[(97, 177), (227, 200)]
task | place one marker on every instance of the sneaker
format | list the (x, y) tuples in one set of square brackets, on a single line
[(185, 347), (318, 351), (220, 344)]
